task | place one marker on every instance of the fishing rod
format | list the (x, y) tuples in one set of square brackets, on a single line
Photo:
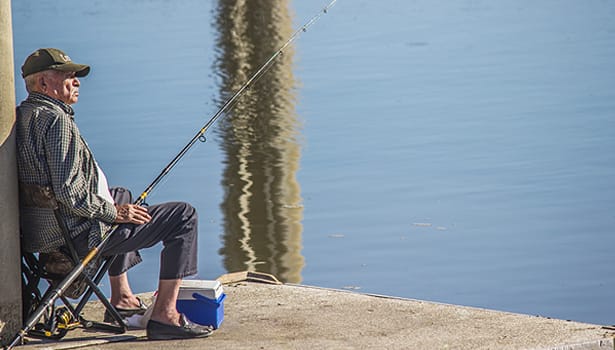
[(51, 297)]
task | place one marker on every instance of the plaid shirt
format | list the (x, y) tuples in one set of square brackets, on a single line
[(51, 152)]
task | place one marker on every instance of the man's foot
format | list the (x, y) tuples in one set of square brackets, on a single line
[(161, 331), (126, 312)]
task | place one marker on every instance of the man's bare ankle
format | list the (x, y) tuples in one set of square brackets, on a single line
[(172, 319), (127, 302)]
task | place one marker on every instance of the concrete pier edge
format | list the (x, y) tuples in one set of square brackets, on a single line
[(264, 313)]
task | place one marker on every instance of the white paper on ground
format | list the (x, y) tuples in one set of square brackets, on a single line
[(140, 321)]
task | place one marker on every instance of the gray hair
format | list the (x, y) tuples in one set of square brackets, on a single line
[(31, 82), (33, 79)]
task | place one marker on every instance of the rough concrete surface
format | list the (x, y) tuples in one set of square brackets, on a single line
[(262, 316)]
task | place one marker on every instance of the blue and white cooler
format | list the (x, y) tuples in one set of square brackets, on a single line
[(202, 301)]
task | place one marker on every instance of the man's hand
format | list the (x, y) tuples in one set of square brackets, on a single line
[(132, 214)]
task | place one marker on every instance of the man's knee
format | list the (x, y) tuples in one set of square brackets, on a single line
[(188, 211), (186, 214)]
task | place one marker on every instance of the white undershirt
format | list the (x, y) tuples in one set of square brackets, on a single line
[(103, 186)]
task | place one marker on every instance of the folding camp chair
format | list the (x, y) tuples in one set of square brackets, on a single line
[(58, 319), (56, 268)]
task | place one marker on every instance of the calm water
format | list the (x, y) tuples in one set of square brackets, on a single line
[(454, 151)]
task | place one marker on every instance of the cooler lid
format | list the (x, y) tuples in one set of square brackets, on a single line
[(208, 288)]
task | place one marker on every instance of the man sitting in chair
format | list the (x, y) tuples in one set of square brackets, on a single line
[(52, 156)]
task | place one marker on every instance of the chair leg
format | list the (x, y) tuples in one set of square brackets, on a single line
[(93, 288), (31, 295)]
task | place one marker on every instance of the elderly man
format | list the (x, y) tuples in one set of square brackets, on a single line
[(52, 156)]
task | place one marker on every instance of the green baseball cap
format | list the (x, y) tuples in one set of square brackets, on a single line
[(50, 58)]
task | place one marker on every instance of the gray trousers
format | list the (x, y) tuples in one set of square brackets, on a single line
[(173, 223)]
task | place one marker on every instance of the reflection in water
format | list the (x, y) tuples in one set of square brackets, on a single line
[(262, 205)]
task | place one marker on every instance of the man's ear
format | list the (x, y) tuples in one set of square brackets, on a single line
[(42, 82)]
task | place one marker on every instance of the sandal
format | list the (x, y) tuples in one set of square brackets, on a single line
[(125, 313)]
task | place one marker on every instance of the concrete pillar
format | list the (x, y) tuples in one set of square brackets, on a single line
[(10, 282)]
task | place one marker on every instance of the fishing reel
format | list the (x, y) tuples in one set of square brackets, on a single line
[(55, 325)]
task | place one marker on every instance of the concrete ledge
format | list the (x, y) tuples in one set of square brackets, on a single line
[(270, 316), (603, 344)]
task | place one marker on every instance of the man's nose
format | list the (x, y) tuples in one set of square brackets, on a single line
[(76, 82)]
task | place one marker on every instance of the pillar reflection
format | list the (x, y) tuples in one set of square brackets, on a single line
[(262, 205)]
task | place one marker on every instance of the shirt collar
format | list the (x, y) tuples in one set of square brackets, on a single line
[(38, 97)]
